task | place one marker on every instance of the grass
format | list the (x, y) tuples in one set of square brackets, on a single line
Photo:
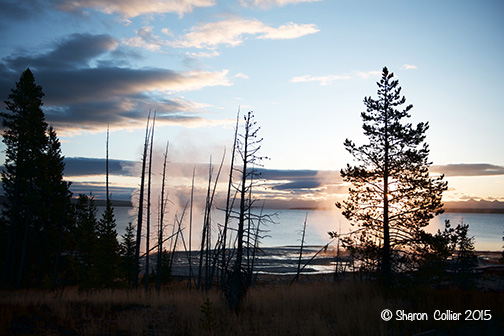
[(313, 308)]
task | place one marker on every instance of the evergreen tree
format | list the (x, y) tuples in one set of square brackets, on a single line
[(107, 252), (127, 252), (56, 203), (465, 259), (35, 192), (392, 197), (87, 239)]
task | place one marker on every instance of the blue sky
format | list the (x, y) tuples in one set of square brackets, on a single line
[(304, 67)]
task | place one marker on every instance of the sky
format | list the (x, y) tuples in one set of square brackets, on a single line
[(302, 66)]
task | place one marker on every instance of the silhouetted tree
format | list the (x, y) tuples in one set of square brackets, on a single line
[(127, 252), (87, 239), (433, 256), (34, 208), (229, 203), (107, 261), (140, 208), (392, 197), (248, 145), (464, 257), (56, 198), (149, 182), (162, 209), (502, 259)]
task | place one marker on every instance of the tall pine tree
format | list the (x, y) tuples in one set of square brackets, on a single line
[(107, 261), (33, 187), (392, 197)]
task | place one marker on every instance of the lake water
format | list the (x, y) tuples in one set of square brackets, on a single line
[(487, 229)]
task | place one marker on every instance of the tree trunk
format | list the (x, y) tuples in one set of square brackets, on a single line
[(140, 208)]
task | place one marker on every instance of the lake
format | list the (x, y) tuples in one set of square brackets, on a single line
[(487, 229)]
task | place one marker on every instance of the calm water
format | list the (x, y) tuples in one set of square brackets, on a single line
[(487, 229)]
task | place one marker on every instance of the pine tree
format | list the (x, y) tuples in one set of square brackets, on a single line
[(35, 192), (87, 239), (107, 253), (127, 252), (392, 197), (107, 261), (56, 204)]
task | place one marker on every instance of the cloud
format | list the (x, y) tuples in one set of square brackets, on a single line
[(306, 184), (85, 90), (242, 76), (78, 166), (323, 80), (366, 75), (289, 31), (203, 54), (409, 67), (98, 189), (145, 39), (74, 51), (468, 169), (19, 10), (328, 79), (233, 32), (271, 3), (133, 8)]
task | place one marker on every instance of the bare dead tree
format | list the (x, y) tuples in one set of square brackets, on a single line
[(147, 238), (162, 208), (205, 250), (229, 202), (205, 227), (301, 249), (189, 259), (140, 207), (248, 146)]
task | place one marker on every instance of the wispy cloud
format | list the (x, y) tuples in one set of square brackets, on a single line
[(232, 32), (288, 31), (242, 76), (368, 74), (409, 67), (328, 79), (203, 54), (133, 8), (323, 80), (145, 39), (271, 3)]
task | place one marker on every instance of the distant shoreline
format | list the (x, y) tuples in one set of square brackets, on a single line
[(447, 210), (121, 203), (474, 210)]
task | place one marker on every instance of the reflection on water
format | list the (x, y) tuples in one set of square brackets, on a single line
[(486, 228)]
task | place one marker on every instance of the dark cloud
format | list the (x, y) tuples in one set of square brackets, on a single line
[(86, 88), (11, 10), (99, 191), (76, 166), (304, 184), (468, 169), (75, 51), (287, 174)]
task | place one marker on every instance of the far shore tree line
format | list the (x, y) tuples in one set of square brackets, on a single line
[(47, 240)]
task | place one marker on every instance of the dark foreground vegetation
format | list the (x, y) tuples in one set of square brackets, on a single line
[(311, 307)]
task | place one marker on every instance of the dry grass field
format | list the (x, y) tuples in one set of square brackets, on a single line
[(317, 307)]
